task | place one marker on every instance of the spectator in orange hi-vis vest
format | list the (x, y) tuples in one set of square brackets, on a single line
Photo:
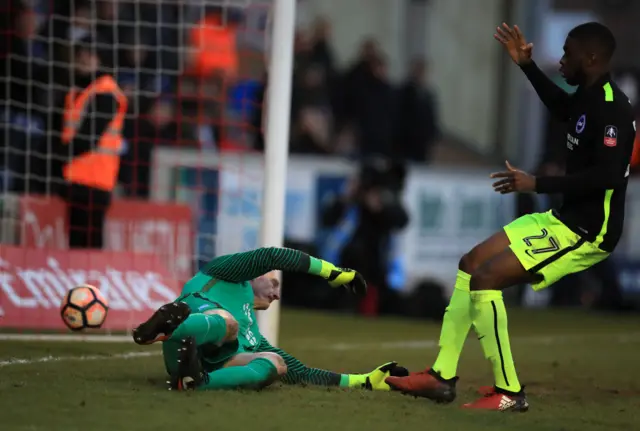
[(214, 48), (90, 144), (214, 64)]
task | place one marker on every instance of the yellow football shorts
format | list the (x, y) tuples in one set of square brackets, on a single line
[(548, 248)]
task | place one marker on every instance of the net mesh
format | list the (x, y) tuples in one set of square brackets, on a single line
[(190, 168)]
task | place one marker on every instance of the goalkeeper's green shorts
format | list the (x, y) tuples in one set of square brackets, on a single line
[(211, 356), (546, 247)]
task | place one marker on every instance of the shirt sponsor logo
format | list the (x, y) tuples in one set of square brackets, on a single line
[(571, 141)]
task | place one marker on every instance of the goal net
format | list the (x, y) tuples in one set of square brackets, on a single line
[(191, 173)]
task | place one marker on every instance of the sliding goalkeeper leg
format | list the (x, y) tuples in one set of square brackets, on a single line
[(196, 347), (298, 373), (258, 371)]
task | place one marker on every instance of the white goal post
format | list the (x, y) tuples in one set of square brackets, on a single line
[(278, 105)]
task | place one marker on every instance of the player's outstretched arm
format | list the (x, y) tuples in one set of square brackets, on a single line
[(245, 266), (299, 374), (514, 42), (610, 168)]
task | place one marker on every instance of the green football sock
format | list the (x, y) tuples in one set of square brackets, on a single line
[(490, 321), (455, 328), (254, 375), (205, 328)]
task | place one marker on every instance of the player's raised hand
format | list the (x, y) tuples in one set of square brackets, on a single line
[(513, 180), (515, 43), (350, 279)]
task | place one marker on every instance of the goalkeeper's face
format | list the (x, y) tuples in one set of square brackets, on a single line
[(266, 290)]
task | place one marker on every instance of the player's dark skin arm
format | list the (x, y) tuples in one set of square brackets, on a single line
[(554, 98), (606, 173)]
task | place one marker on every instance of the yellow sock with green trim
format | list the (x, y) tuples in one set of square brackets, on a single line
[(490, 321), (455, 327)]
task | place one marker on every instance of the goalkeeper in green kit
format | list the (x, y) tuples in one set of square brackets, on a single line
[(210, 334)]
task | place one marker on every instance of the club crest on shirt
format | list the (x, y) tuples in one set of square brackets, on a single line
[(581, 123), (611, 136)]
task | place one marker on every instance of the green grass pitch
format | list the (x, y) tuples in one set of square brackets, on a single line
[(582, 373)]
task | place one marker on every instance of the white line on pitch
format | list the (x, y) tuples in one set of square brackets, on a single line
[(67, 338), (430, 344), (631, 337), (44, 359), (384, 345)]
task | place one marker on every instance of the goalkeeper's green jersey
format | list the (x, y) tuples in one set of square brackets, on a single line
[(236, 298), (225, 283)]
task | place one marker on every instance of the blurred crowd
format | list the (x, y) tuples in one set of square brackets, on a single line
[(136, 43), (195, 76), (358, 111)]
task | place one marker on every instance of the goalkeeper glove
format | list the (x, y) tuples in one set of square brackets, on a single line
[(350, 279), (375, 380)]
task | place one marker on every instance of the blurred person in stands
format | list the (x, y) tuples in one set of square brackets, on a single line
[(315, 51), (90, 144), (321, 49), (363, 224), (109, 28), (68, 23), (145, 46), (355, 78), (375, 114), (630, 83), (212, 69), (302, 53), (158, 127), (418, 127), (366, 111), (142, 44), (311, 113), (22, 80), (313, 93), (322, 56), (635, 157)]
